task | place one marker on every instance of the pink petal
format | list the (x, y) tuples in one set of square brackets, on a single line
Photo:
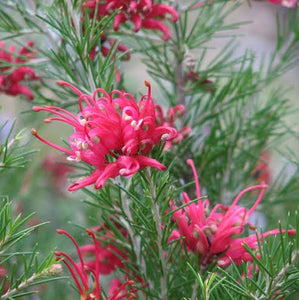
[(16, 89), (160, 10), (150, 23), (137, 20), (120, 18)]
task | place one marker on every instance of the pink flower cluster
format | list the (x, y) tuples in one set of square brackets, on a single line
[(13, 71), (142, 13), (112, 132), (215, 236), (81, 272)]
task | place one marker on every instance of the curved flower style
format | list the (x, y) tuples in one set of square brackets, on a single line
[(11, 76), (114, 134), (143, 13), (172, 114), (81, 270), (214, 236), (110, 257)]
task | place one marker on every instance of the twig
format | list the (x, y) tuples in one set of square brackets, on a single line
[(136, 241), (22, 285), (158, 223)]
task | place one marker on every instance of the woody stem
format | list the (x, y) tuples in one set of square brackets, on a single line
[(136, 241), (158, 223)]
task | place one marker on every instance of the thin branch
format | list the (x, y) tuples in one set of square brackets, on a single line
[(136, 240), (276, 284), (158, 223), (21, 286)]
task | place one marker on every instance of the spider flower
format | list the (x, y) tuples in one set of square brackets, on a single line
[(81, 271), (13, 72), (111, 132), (215, 236), (142, 13)]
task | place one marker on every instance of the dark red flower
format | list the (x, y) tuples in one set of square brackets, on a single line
[(13, 72), (112, 132), (142, 13)]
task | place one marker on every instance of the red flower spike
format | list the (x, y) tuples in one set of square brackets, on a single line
[(112, 133), (13, 76), (216, 237), (142, 13)]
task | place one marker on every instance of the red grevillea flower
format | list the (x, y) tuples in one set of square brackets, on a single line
[(172, 115), (112, 133), (214, 236), (11, 74), (142, 13), (80, 273)]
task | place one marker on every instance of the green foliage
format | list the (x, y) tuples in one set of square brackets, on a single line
[(274, 271), (12, 154), (24, 268)]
